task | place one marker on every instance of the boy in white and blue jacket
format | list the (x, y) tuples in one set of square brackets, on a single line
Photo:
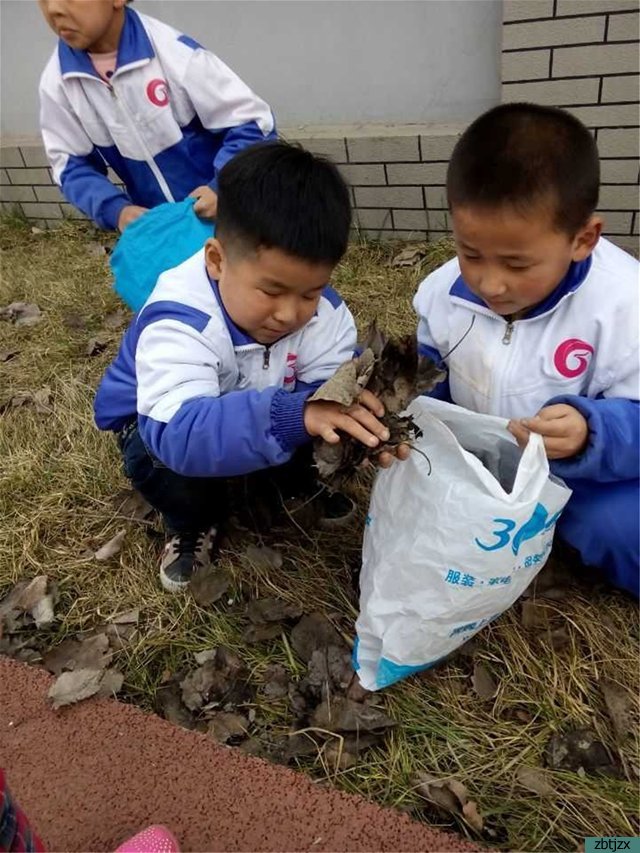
[(124, 90), (213, 374), (554, 344)]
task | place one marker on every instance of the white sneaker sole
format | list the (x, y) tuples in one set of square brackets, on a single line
[(172, 586)]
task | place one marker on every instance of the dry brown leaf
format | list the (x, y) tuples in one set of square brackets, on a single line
[(451, 795), (209, 584), (338, 758), (263, 558), (579, 749), (169, 704), (111, 684), (348, 381), (43, 400), (71, 687), (116, 320), (483, 682), (21, 313), (536, 780), (43, 614), (8, 354), (409, 256), (262, 632), (131, 504), (31, 595), (95, 346), (312, 632), (112, 547), (619, 707), (343, 715), (276, 684), (92, 653), (272, 610), (225, 727), (74, 321), (472, 816)]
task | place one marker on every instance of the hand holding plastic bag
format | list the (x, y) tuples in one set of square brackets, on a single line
[(159, 240)]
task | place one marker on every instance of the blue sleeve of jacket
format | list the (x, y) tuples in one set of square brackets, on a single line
[(85, 184), (613, 449), (240, 432), (441, 391), (236, 139)]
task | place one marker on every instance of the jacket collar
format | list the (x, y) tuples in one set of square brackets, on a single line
[(134, 49), (576, 274)]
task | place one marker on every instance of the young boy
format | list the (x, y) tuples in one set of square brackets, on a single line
[(124, 90), (213, 374), (554, 342)]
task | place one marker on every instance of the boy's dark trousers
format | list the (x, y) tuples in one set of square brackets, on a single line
[(193, 504)]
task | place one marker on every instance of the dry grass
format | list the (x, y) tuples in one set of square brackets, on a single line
[(57, 477)]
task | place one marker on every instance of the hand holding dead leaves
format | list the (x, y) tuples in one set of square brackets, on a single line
[(326, 419)]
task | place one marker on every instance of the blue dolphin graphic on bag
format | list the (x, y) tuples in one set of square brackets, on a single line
[(538, 522)]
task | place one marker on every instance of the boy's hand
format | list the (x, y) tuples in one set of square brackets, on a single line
[(564, 429), (129, 214), (206, 205), (360, 421), (388, 457)]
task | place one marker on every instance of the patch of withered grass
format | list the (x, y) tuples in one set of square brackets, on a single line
[(58, 478)]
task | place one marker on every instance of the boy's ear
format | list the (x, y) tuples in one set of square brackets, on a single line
[(214, 257), (585, 240)]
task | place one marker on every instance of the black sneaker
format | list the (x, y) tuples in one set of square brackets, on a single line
[(183, 555), (337, 510)]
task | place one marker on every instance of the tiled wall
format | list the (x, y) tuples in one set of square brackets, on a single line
[(578, 54), (584, 55)]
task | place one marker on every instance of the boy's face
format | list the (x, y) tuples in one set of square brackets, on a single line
[(81, 24), (514, 262), (267, 293)]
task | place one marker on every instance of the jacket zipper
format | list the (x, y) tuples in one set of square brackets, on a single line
[(151, 163), (266, 358), (508, 333)]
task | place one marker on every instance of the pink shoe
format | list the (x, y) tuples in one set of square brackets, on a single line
[(153, 839)]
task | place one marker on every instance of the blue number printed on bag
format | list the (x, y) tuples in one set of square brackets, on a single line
[(538, 523)]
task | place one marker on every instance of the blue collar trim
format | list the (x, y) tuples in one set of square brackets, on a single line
[(576, 274), (238, 337), (134, 46)]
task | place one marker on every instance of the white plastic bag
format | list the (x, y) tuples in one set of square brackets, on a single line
[(454, 535)]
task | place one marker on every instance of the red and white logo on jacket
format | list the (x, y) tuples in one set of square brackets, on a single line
[(572, 357), (290, 371), (158, 92)]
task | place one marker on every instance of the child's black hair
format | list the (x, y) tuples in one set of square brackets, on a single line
[(522, 155), (279, 196)]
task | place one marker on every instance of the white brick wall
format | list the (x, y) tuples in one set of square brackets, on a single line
[(584, 55)]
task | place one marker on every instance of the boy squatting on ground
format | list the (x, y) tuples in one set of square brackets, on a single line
[(554, 345), (213, 374), (124, 90)]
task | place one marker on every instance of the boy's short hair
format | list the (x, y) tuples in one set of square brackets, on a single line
[(279, 196), (523, 154)]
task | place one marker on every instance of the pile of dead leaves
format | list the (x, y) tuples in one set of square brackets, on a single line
[(81, 664), (218, 697)]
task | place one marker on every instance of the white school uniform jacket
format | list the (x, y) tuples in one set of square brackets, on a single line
[(209, 400), (580, 346), (169, 119)]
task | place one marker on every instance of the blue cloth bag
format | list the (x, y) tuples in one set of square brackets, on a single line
[(162, 238)]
